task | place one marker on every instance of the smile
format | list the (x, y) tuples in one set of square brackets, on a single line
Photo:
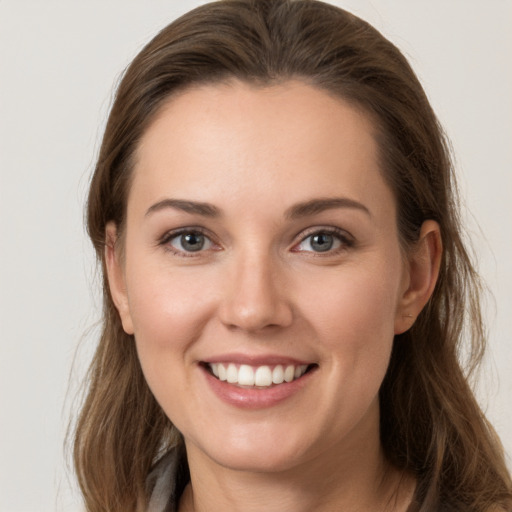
[(257, 376)]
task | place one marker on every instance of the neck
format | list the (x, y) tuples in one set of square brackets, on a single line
[(351, 477)]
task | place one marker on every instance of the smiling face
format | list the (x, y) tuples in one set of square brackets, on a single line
[(262, 274)]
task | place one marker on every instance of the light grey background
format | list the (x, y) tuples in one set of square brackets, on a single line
[(58, 64)]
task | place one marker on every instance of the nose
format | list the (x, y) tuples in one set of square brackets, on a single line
[(255, 298)]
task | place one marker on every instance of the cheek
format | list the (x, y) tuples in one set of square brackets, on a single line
[(168, 311), (352, 303), (352, 317), (168, 314), (163, 302)]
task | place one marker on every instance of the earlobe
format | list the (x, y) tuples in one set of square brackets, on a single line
[(116, 278), (424, 263)]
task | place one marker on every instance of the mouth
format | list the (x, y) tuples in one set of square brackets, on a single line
[(257, 377)]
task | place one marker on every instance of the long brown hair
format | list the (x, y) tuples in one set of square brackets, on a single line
[(431, 424)]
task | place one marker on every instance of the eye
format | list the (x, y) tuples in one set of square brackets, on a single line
[(187, 242), (324, 241)]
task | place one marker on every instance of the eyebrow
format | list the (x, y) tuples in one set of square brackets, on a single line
[(194, 207), (315, 206), (300, 210)]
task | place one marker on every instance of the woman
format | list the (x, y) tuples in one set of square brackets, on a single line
[(285, 282)]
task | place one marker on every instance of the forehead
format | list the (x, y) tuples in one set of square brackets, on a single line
[(236, 139)]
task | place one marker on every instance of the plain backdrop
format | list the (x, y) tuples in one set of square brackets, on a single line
[(59, 62)]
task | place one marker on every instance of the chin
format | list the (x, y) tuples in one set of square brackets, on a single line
[(256, 462), (257, 453)]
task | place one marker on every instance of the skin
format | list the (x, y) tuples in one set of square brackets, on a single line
[(260, 288)]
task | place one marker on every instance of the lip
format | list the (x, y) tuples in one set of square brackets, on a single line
[(256, 360), (255, 398)]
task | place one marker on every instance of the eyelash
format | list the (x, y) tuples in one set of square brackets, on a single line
[(168, 237), (345, 239)]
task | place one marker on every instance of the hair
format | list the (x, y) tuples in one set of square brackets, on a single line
[(431, 424)]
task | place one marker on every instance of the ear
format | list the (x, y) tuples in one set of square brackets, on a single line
[(116, 277), (422, 272)]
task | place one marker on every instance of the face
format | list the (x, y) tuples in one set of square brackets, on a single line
[(262, 274)]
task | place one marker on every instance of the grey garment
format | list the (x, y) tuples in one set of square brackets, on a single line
[(164, 483)]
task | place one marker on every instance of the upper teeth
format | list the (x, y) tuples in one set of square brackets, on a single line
[(246, 375)]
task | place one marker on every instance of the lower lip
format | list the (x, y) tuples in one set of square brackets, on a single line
[(256, 398)]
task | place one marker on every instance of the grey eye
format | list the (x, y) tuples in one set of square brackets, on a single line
[(190, 242), (321, 242)]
